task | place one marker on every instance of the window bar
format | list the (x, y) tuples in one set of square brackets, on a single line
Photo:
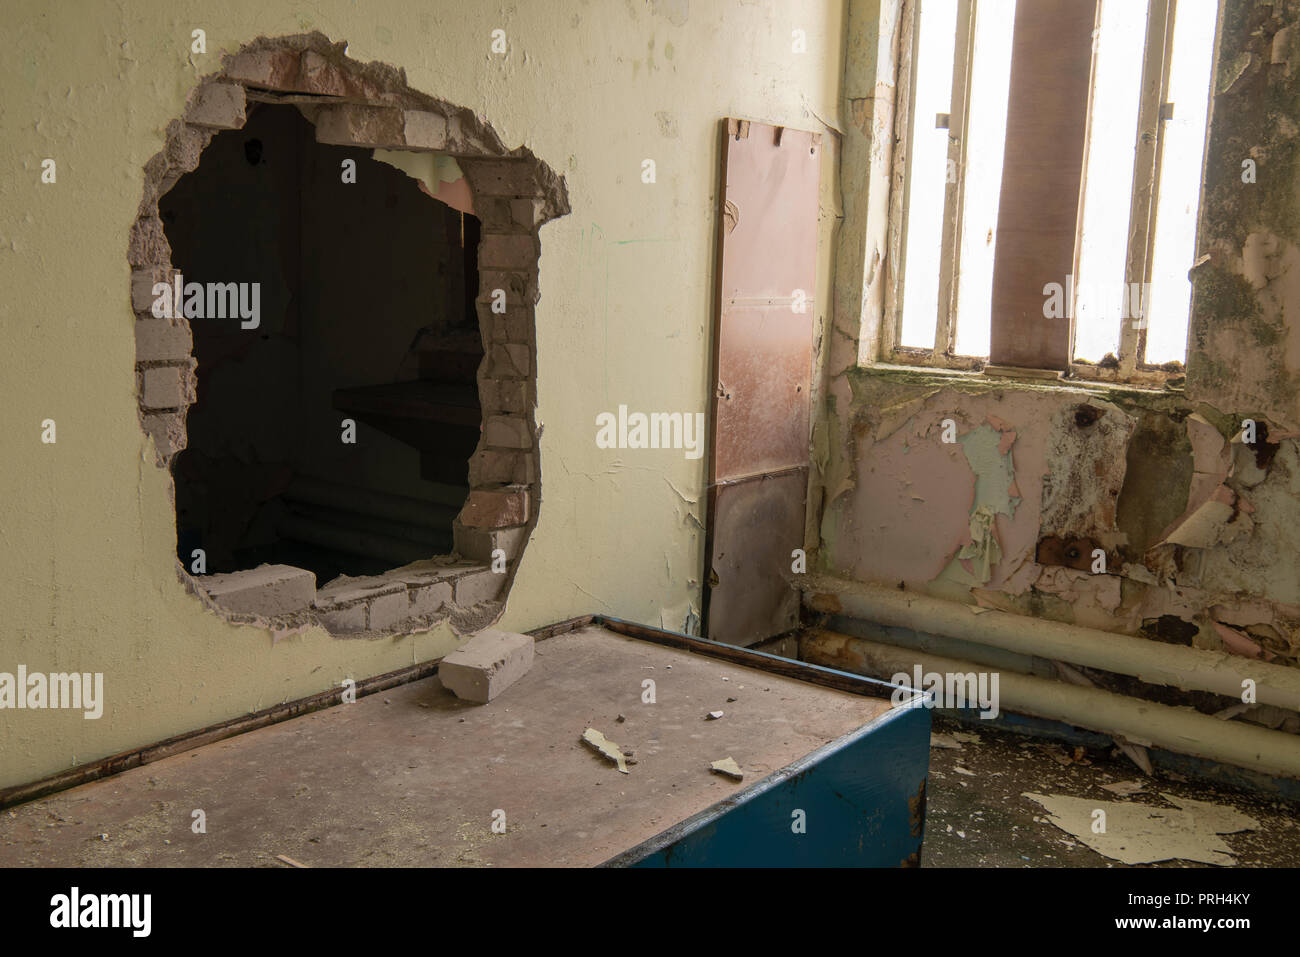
[(905, 126), (950, 247), (1146, 173)]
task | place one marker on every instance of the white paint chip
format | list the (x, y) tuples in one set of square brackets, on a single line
[(606, 747), (729, 767), (1145, 834)]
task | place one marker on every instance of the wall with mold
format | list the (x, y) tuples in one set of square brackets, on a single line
[(87, 536), (1200, 531)]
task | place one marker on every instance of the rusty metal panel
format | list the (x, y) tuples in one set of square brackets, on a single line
[(756, 524), (761, 405), (767, 275), (768, 250)]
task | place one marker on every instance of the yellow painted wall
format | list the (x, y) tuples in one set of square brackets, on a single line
[(87, 579)]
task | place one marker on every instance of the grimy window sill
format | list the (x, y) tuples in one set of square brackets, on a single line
[(988, 380)]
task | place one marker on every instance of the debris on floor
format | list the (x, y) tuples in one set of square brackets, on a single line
[(1124, 788), (606, 747), (729, 767), (1135, 833), (486, 665), (1003, 829)]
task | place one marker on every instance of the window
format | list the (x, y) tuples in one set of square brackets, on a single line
[(1051, 166)]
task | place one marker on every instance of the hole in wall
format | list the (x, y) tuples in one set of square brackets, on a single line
[(343, 393), (365, 307)]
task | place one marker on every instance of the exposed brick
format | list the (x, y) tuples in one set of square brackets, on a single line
[(480, 543), (143, 280), (219, 106), (318, 74), (494, 212), (520, 286), (504, 395), (267, 590), (496, 467), (147, 244), (507, 431), (347, 604), (507, 251), (346, 590), (343, 619), (162, 387), (429, 599), (168, 432), (158, 340), (527, 213), (486, 665), (423, 130), (371, 126), (385, 611), (509, 360), (478, 586), (502, 177), (495, 508), (185, 144), (270, 69)]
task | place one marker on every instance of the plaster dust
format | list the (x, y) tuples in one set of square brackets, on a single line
[(87, 574)]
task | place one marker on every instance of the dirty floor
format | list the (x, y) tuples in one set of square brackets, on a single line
[(977, 815)]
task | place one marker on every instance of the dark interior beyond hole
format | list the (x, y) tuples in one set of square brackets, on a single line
[(365, 311)]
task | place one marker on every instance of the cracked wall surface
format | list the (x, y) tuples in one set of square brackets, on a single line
[(1196, 529)]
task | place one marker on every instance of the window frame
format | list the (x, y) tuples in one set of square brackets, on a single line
[(1132, 367)]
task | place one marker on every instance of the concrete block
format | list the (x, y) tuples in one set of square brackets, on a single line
[(495, 508), (478, 586), (158, 340), (162, 387), (218, 106), (507, 431), (486, 665), (267, 590)]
